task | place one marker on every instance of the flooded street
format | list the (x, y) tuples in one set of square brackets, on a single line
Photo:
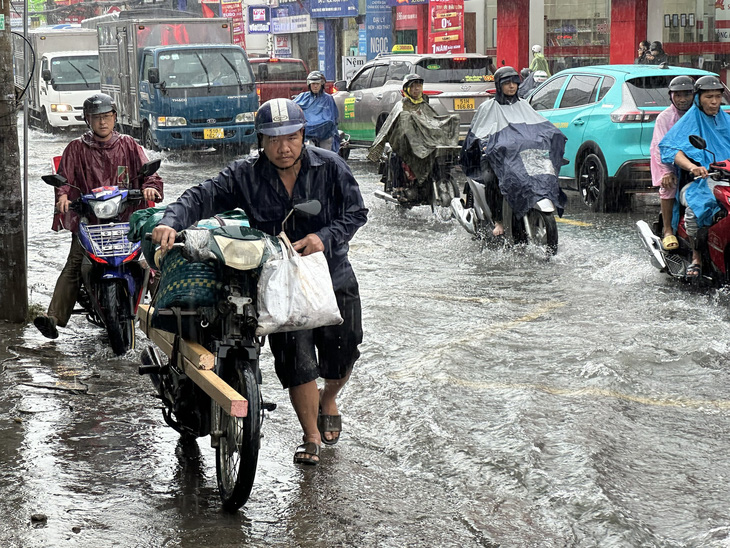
[(500, 400)]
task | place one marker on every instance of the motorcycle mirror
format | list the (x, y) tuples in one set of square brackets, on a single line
[(150, 167), (310, 207), (697, 142), (54, 180)]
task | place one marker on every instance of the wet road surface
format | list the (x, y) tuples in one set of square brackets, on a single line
[(500, 400)]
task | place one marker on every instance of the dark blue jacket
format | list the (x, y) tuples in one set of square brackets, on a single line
[(253, 184)]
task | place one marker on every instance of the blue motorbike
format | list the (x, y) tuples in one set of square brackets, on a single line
[(114, 279)]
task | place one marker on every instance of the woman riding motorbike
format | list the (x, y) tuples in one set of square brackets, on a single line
[(320, 111), (414, 131), (514, 151)]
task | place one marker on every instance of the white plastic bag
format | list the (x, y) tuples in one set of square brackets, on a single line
[(295, 293)]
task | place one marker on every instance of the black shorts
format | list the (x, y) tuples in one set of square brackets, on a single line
[(295, 359)]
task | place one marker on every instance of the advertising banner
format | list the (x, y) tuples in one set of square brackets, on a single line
[(446, 26), (351, 64), (378, 27), (234, 11), (259, 20), (333, 8)]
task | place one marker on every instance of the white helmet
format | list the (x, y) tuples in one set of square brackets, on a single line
[(536, 48), (539, 76)]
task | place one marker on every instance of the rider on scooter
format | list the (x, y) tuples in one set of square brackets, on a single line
[(498, 157), (709, 121), (414, 131), (320, 111), (99, 157)]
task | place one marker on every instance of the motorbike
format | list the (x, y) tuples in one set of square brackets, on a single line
[(436, 190), (114, 279), (225, 325), (343, 151), (538, 227), (713, 242)]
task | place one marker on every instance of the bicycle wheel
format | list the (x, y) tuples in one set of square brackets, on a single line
[(238, 446)]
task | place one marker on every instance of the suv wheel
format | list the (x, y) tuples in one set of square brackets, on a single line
[(592, 182)]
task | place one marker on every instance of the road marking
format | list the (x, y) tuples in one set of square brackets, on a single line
[(572, 222)]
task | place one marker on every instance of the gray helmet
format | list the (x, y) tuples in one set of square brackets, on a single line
[(408, 79), (316, 76), (99, 103), (279, 117), (707, 83), (682, 83)]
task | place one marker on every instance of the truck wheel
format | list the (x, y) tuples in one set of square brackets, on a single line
[(148, 140), (45, 124)]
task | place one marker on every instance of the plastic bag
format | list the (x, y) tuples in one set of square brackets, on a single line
[(295, 293)]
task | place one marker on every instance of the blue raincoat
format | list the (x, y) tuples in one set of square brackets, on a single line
[(523, 148), (715, 130), (320, 111)]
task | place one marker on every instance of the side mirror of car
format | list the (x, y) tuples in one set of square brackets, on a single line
[(46, 75), (153, 75), (339, 85)]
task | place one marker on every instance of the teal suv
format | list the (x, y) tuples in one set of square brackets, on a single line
[(607, 113)]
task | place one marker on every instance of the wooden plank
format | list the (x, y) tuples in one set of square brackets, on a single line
[(199, 356), (230, 401)]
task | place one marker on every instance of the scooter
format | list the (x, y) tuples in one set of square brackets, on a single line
[(223, 320), (436, 190), (713, 242), (343, 151), (114, 280), (538, 227)]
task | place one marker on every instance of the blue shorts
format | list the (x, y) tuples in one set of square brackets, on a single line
[(328, 352)]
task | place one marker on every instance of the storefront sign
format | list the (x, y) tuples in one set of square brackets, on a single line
[(378, 21), (259, 20), (350, 65), (398, 3), (446, 26), (282, 46), (284, 20), (333, 8), (234, 11)]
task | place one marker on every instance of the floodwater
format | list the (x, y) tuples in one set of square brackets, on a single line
[(500, 400)]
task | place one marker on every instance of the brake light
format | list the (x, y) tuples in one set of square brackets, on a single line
[(258, 92), (628, 116), (458, 59), (492, 91), (432, 92)]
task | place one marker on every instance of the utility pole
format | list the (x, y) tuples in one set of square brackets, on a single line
[(13, 260)]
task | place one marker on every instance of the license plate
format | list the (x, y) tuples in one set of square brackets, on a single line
[(214, 133), (464, 104)]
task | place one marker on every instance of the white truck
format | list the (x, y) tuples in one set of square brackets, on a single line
[(65, 73)]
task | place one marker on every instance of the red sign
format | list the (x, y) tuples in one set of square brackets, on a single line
[(446, 26)]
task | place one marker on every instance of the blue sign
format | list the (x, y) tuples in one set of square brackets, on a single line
[(377, 32), (259, 20), (362, 41), (333, 8)]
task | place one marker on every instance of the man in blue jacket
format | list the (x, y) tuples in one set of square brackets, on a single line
[(266, 187)]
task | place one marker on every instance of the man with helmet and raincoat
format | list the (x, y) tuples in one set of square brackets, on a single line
[(510, 142), (681, 92), (287, 172), (414, 131), (710, 122), (100, 157), (320, 111)]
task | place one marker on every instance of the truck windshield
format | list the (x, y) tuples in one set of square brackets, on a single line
[(75, 73), (204, 67), (455, 70)]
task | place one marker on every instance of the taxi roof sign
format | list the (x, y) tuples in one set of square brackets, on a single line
[(403, 48)]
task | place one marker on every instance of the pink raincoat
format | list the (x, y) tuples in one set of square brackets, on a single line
[(87, 164), (664, 122)]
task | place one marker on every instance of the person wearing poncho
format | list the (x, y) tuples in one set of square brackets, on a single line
[(320, 111), (707, 120)]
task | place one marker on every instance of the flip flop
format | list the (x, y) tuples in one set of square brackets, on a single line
[(693, 271), (307, 453), (331, 424), (47, 326), (670, 243)]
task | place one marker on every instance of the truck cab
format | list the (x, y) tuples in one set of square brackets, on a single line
[(196, 95), (66, 80)]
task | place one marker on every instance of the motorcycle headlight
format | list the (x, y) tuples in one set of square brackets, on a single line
[(171, 121), (241, 254), (244, 117), (106, 209), (61, 108)]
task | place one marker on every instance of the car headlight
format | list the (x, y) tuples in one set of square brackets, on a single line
[(106, 209), (61, 107), (171, 121), (241, 254), (244, 117)]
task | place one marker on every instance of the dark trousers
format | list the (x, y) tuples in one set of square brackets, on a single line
[(67, 285)]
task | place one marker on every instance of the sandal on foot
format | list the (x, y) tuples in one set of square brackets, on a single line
[(670, 243), (693, 271), (47, 326), (331, 424), (307, 453)]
